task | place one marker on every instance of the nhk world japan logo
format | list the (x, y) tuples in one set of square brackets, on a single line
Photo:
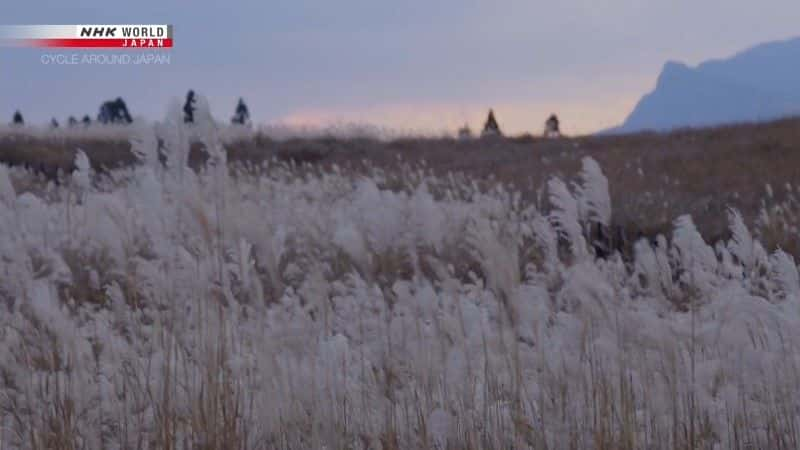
[(88, 36)]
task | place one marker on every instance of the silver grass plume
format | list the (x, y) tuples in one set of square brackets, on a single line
[(594, 202), (565, 216)]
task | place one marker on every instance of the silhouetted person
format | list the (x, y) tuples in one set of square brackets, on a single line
[(114, 111), (551, 127), (491, 128), (72, 122), (53, 123), (17, 119), (188, 107), (242, 114), (86, 121)]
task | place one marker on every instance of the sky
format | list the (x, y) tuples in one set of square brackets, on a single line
[(410, 65)]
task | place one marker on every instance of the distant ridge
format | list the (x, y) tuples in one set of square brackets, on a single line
[(761, 83)]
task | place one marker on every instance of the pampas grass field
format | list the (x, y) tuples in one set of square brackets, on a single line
[(363, 293)]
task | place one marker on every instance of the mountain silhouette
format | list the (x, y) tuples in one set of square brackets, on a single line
[(760, 83)]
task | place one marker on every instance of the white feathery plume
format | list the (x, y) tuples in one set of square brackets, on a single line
[(692, 253), (7, 192), (594, 201), (82, 175), (784, 275), (741, 243), (565, 215)]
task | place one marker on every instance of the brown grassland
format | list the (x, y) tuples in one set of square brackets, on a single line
[(653, 177)]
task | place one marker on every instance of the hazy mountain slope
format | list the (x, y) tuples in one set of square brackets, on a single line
[(773, 67), (757, 84)]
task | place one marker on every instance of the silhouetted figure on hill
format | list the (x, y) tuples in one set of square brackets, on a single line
[(491, 128), (72, 122), (86, 121), (114, 112), (242, 114), (552, 127), (17, 119), (53, 123), (465, 132), (188, 107)]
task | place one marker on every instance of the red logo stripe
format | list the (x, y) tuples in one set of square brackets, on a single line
[(146, 43)]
